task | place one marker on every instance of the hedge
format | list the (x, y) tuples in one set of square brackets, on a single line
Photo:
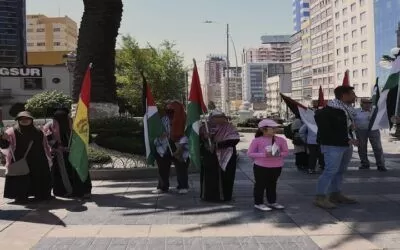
[(98, 156), (126, 144), (116, 126)]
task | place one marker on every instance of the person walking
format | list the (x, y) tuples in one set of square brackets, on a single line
[(314, 149), (336, 137), (364, 133), (26, 148), (268, 152)]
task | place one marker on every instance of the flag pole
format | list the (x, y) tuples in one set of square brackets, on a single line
[(205, 121)]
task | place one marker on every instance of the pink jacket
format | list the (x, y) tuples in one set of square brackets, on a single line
[(10, 132), (257, 152)]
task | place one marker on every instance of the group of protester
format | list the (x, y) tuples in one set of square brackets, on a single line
[(37, 160)]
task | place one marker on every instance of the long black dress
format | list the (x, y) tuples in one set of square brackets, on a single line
[(215, 184), (79, 188), (38, 182)]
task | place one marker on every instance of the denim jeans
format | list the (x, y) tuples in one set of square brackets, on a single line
[(374, 137), (337, 160)]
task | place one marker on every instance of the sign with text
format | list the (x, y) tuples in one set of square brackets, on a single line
[(20, 72)]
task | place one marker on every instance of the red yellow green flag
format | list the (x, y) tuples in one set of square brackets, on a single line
[(78, 154)]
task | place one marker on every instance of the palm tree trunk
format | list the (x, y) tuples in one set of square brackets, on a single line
[(96, 44)]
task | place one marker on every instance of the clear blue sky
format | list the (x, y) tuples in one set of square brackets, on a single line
[(181, 21)]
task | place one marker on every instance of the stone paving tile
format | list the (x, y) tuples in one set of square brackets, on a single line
[(230, 243)]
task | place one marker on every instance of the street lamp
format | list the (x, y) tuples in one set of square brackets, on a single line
[(70, 61)]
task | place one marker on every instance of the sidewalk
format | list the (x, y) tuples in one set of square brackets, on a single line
[(126, 215)]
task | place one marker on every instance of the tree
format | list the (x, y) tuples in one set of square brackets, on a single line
[(42, 105), (162, 66), (96, 44)]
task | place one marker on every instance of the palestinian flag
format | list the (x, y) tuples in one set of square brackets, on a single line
[(299, 110), (152, 124), (386, 105), (321, 99), (78, 152), (195, 109), (375, 99), (346, 79)]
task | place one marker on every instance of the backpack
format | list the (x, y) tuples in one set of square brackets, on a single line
[(288, 132)]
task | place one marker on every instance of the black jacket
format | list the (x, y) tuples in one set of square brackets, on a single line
[(332, 127)]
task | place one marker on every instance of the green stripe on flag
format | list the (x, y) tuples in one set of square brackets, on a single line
[(192, 132), (78, 156)]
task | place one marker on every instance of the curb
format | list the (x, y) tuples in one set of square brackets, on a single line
[(123, 173)]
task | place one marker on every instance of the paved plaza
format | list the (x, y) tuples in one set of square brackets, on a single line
[(126, 215)]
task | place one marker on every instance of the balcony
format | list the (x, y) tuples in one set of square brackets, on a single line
[(5, 94)]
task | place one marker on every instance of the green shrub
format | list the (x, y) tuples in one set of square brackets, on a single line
[(40, 104), (116, 126), (133, 144), (98, 156), (249, 123)]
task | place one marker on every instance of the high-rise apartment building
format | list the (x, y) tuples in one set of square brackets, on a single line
[(296, 65), (322, 47), (306, 61), (213, 70), (355, 44), (232, 91), (12, 33), (272, 49), (51, 33), (301, 13), (386, 15)]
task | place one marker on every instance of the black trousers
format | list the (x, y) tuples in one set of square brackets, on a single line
[(314, 155), (301, 160), (164, 169), (265, 180)]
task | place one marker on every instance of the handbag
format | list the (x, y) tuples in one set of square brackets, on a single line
[(19, 168)]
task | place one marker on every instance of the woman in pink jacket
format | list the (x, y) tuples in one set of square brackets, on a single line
[(268, 152)]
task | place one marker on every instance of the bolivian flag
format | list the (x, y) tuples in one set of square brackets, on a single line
[(78, 154)]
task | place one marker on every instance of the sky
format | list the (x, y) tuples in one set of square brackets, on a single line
[(181, 21)]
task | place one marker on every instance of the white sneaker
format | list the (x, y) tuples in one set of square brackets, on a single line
[(183, 191), (263, 207), (276, 206)]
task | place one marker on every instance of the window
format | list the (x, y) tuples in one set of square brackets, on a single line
[(29, 30), (362, 16), (354, 34), (338, 39), (353, 7), (363, 30), (344, 11), (41, 44), (337, 27), (355, 85), (338, 64), (33, 83), (337, 15), (362, 2), (30, 44), (345, 24), (40, 30), (355, 60), (339, 76), (364, 58), (346, 49), (346, 62), (346, 37), (364, 44), (338, 52), (355, 73), (364, 86), (364, 72), (354, 20), (354, 47), (56, 44), (336, 3), (56, 29)]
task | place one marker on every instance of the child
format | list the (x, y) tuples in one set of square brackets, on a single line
[(268, 152)]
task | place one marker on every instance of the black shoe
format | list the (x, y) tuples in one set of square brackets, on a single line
[(382, 169), (363, 167), (312, 171), (21, 201)]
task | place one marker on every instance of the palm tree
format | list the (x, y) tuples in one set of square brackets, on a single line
[(96, 44)]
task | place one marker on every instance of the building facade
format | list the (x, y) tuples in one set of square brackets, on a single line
[(213, 70), (306, 62), (18, 84), (355, 44), (301, 13), (47, 58), (272, 49), (296, 66), (231, 92), (12, 33), (51, 33), (274, 86), (386, 15)]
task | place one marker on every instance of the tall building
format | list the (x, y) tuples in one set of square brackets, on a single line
[(386, 23), (301, 12), (322, 47), (274, 86), (296, 66), (306, 62), (272, 49), (254, 79), (233, 91), (51, 33), (213, 69), (355, 44), (12, 32)]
